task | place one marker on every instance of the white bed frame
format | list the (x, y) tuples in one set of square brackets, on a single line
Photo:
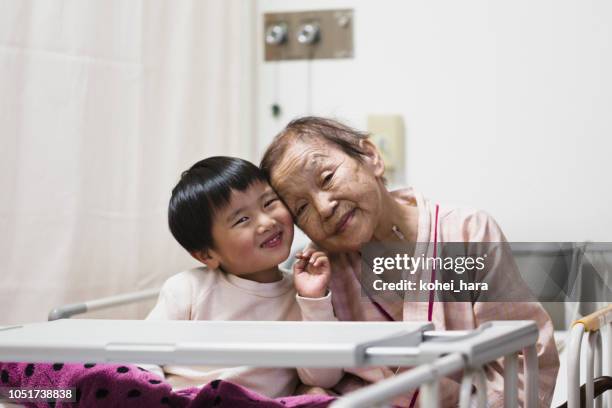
[(597, 324), (297, 344)]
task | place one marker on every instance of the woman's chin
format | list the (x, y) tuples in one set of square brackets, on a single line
[(352, 244), (349, 240)]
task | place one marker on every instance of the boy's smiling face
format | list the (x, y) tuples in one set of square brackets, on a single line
[(252, 235)]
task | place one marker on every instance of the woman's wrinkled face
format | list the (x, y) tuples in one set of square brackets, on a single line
[(334, 198)]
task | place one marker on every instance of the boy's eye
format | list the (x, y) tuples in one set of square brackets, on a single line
[(240, 221)]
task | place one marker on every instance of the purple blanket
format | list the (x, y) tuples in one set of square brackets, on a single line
[(116, 385)]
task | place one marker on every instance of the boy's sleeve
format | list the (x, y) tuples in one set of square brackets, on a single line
[(173, 300), (318, 309), (169, 308), (153, 368)]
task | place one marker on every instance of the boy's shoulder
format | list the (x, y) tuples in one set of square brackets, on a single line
[(190, 280)]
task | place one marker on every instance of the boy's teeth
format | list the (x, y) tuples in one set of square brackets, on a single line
[(272, 240)]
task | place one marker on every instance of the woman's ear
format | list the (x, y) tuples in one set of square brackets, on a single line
[(373, 157), (208, 257)]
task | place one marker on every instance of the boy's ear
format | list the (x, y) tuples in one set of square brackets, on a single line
[(208, 257), (373, 157)]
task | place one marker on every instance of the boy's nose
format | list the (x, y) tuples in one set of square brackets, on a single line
[(266, 224)]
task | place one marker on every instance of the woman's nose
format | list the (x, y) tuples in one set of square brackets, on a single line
[(324, 204)]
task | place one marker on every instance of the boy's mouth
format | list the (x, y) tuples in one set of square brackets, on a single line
[(274, 241)]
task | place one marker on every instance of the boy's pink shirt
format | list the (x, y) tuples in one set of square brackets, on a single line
[(454, 225)]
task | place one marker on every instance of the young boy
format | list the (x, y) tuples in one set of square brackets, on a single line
[(226, 215)]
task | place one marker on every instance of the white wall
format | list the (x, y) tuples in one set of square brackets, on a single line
[(508, 105)]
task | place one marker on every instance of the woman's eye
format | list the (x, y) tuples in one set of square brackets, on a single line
[(267, 203), (241, 220), (300, 210), (328, 178)]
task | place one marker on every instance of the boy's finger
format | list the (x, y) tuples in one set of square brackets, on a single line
[(319, 254), (299, 265), (321, 261), (316, 256), (307, 253)]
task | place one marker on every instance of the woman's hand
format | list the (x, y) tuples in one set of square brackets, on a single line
[(311, 273)]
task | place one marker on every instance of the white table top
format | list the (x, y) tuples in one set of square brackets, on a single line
[(279, 344)]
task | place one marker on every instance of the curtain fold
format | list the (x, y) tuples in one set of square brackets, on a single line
[(102, 105)]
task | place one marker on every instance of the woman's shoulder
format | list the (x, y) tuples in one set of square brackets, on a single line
[(468, 225), (455, 223)]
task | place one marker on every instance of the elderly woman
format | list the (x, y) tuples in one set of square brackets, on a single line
[(331, 178)]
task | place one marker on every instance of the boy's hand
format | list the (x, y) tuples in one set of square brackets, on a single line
[(311, 273)]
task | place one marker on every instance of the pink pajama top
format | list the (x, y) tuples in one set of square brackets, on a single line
[(454, 225)]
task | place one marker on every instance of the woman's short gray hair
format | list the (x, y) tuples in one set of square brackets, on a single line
[(313, 127)]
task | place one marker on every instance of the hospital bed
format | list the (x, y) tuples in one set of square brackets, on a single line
[(596, 326), (439, 354), (301, 344), (433, 354)]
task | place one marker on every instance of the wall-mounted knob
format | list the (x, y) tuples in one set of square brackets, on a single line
[(343, 19), (308, 33), (276, 34)]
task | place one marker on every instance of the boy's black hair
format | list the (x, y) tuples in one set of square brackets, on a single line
[(203, 190)]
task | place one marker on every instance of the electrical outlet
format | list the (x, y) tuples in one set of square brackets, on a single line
[(388, 135), (309, 35)]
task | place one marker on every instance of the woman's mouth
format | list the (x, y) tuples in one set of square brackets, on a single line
[(274, 241), (345, 221)]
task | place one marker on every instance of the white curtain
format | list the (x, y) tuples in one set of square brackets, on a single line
[(102, 105)]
